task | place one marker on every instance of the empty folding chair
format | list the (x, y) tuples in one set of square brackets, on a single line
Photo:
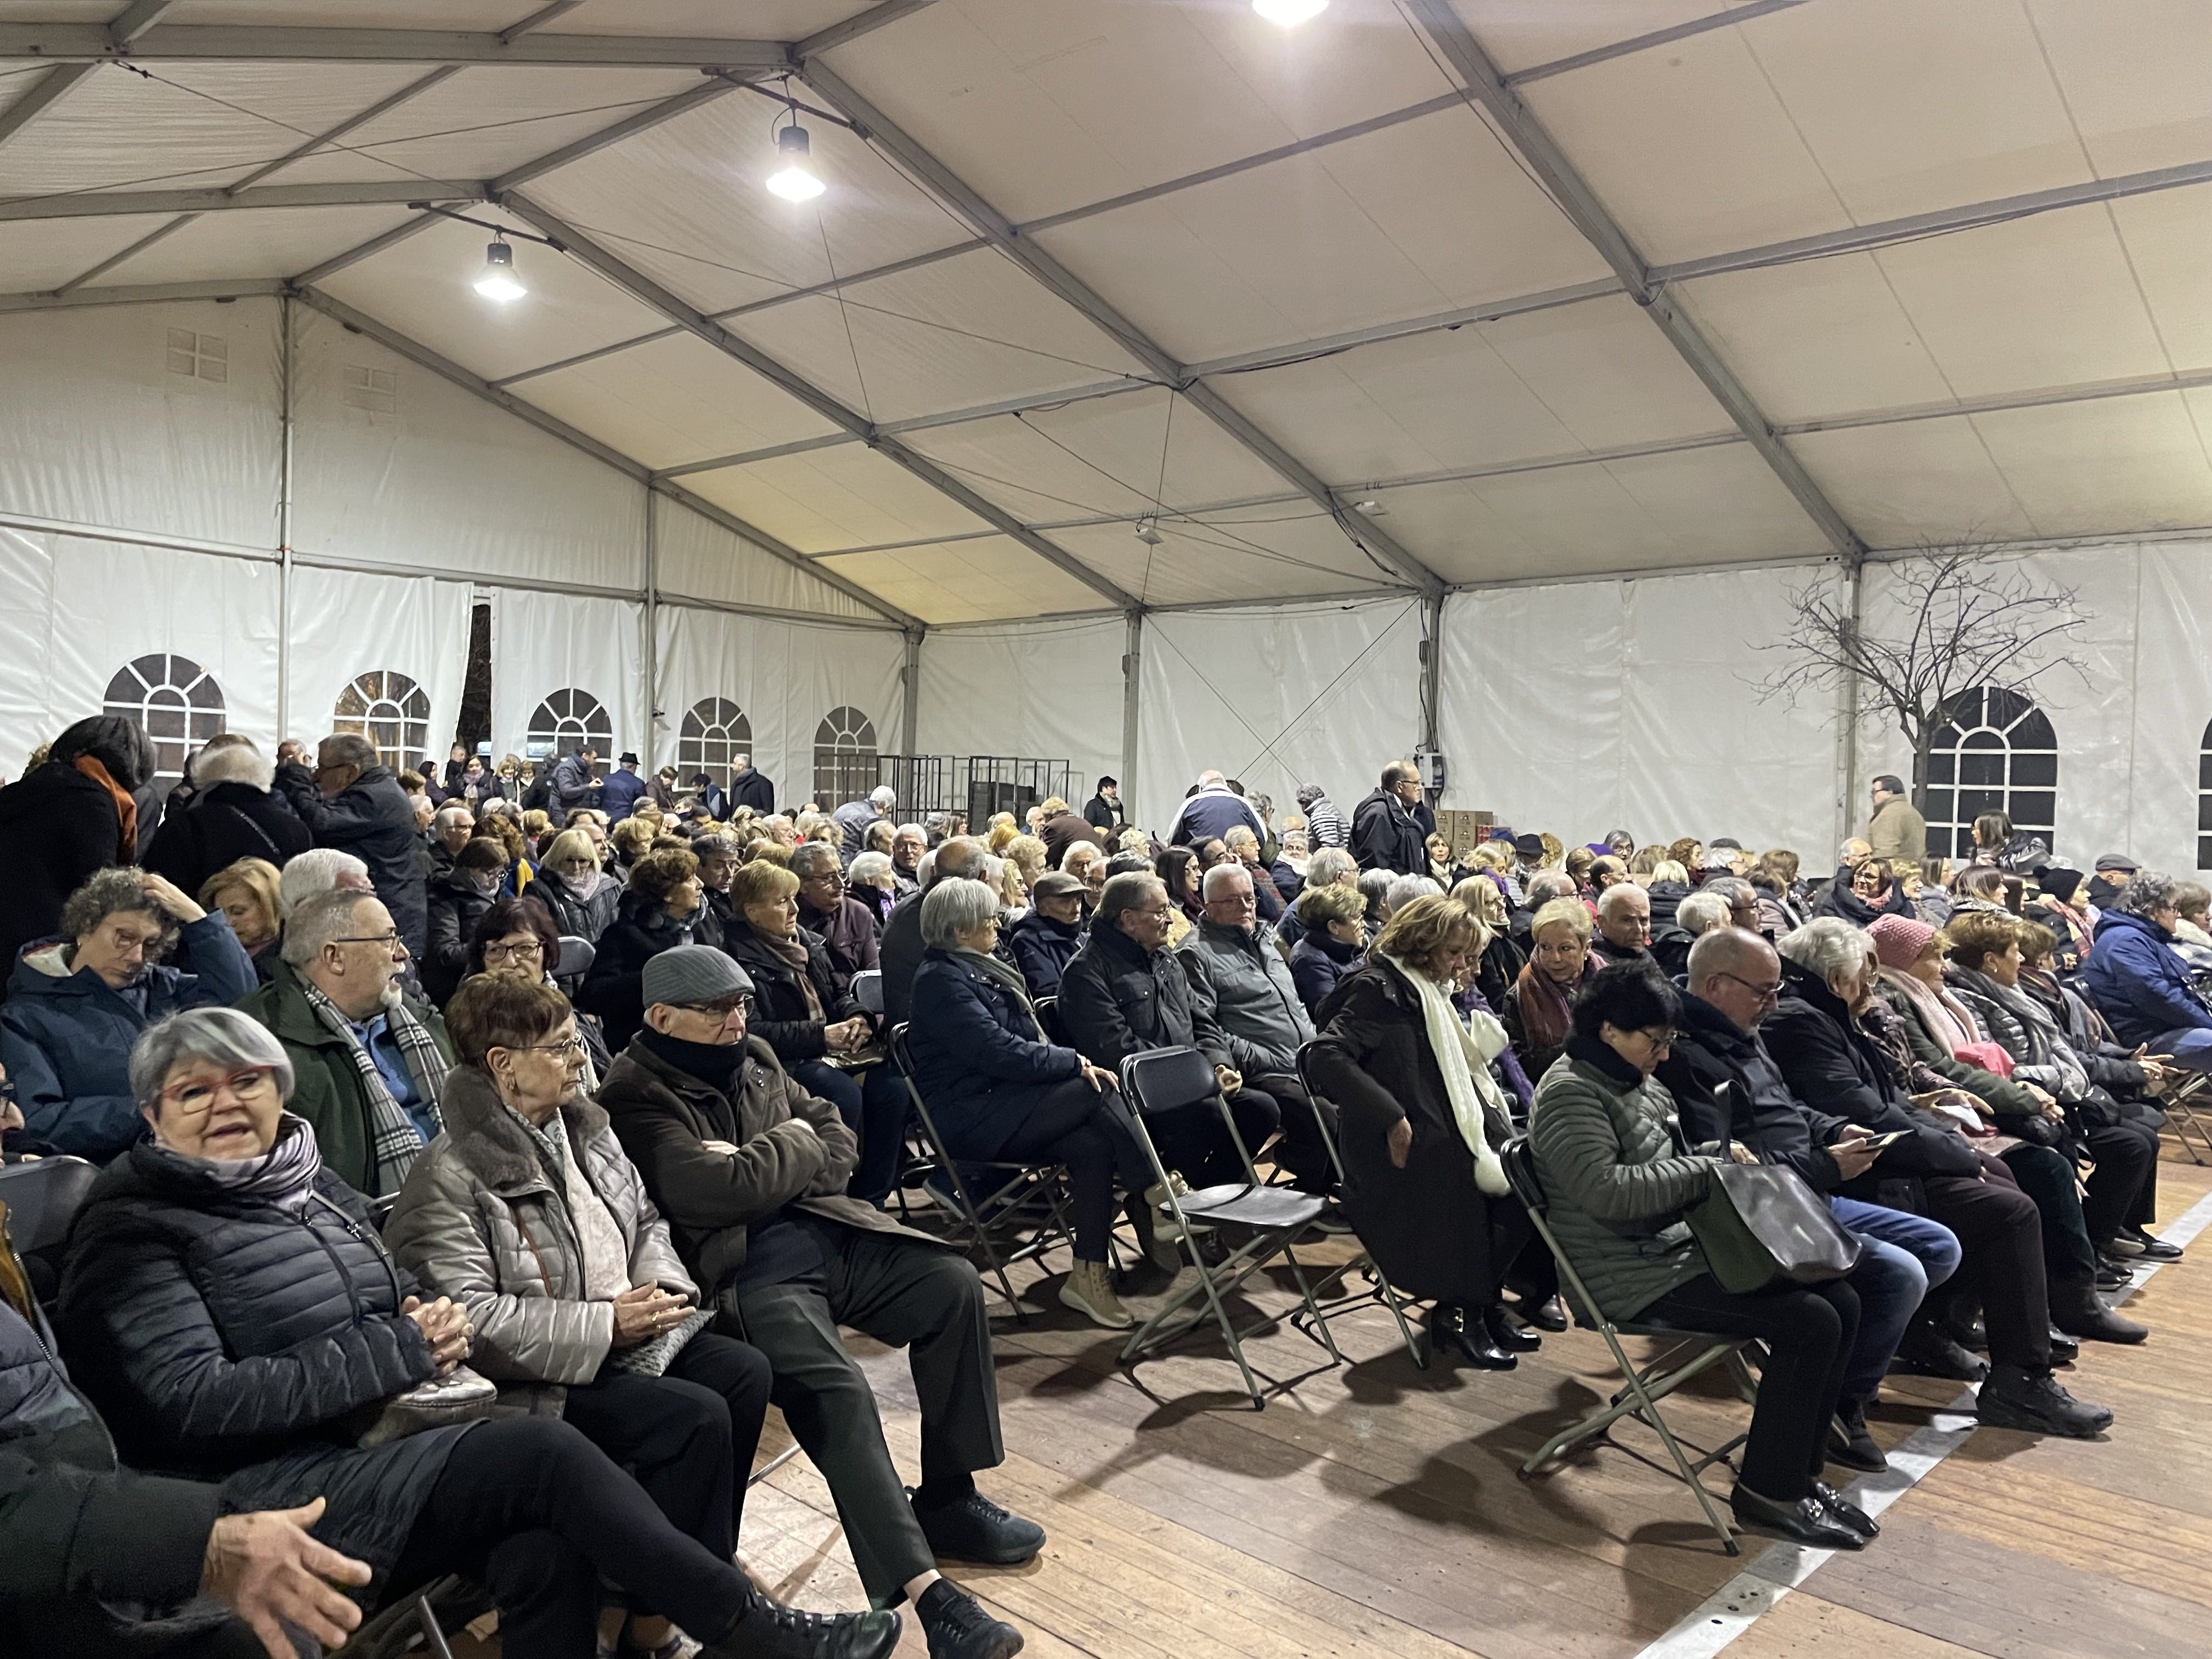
[(1270, 1218), (42, 1198), (1363, 1263), (2185, 1107), (1688, 1353)]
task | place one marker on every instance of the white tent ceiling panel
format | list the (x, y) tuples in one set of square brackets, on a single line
[(696, 558), (40, 255), (483, 122), (684, 203), (758, 19), (1519, 36), (552, 642), (423, 288), (1222, 559), (1052, 689), (676, 400), (155, 419), (965, 331), (1022, 462), (2169, 239), (1331, 240), (1924, 481), (346, 624), (394, 463), (272, 243), (2138, 462), (1030, 100), (785, 676), (1690, 506), (59, 11), (831, 498), (1274, 698), (976, 581), (193, 126), (2133, 78)]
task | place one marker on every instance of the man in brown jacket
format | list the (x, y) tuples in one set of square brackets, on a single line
[(1897, 830), (750, 1171)]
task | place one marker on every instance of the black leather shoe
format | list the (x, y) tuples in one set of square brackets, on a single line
[(2114, 1276), (2065, 1350), (1849, 1443), (959, 1626), (1805, 1522), (767, 1631), (1927, 1352), (1507, 1335), (1549, 1314), (975, 1529), (2155, 1248), (1844, 1511)]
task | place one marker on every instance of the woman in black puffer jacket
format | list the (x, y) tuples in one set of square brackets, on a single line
[(665, 906), (234, 1314)]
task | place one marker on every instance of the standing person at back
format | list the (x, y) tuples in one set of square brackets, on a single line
[(1387, 833), (63, 820), (234, 815), (1325, 825), (751, 788), (1102, 811), (854, 817), (1214, 810), (619, 796), (575, 782), (350, 801), (1897, 830)]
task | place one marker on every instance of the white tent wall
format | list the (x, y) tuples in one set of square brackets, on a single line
[(1048, 690), (1275, 697), (785, 677), (346, 624)]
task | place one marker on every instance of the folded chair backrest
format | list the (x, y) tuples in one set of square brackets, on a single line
[(43, 1198), (1165, 1078), (1317, 1098), (902, 1056), (1519, 1158), (868, 990)]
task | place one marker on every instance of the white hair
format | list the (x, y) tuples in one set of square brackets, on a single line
[(1218, 879), (315, 871), (883, 797), (1827, 946), (232, 757), (1699, 913), (222, 1036), (1404, 891), (1081, 852), (1330, 864), (869, 867), (1618, 896), (955, 906), (319, 920)]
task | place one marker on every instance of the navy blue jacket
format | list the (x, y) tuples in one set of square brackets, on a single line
[(1041, 948), (1318, 963), (2139, 981), (976, 1060), (620, 794), (65, 1038)]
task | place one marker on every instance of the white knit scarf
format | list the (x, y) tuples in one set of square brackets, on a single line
[(1466, 1068)]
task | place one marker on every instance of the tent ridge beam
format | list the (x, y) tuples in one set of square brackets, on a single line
[(48, 90), (1580, 203), (994, 228), (119, 203), (144, 294), (866, 22), (90, 43), (444, 367), (653, 295)]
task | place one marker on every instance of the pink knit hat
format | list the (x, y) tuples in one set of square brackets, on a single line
[(1898, 940)]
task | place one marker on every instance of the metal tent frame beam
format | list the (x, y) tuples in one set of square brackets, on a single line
[(122, 203), (92, 42), (1590, 216), (986, 221)]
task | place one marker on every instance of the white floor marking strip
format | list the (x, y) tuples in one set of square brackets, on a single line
[(1779, 1568)]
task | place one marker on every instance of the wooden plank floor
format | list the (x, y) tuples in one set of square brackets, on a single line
[(1375, 1509)]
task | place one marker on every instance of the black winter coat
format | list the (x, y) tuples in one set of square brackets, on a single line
[(374, 820), (977, 1060), (1429, 1227), (751, 788), (224, 824), (1709, 1054), (1387, 835), (56, 827), (1042, 949), (615, 988), (584, 918), (781, 1017), (456, 905), (228, 1339), (1318, 963), (1117, 999)]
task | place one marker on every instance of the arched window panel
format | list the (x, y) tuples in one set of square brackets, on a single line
[(714, 732), (2205, 800), (844, 757), (566, 721), (177, 703), (1995, 752), (392, 712)]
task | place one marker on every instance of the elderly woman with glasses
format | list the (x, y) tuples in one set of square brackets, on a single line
[(76, 1003), (999, 1090), (1617, 1189), (527, 1213), (517, 936), (236, 1319)]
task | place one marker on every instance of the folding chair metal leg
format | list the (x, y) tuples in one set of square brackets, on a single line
[(1330, 1304), (773, 1465), (973, 1217), (2183, 1117)]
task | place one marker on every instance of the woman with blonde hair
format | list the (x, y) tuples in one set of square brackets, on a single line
[(1540, 1005), (246, 893)]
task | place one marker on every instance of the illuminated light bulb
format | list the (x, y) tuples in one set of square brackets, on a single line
[(1289, 14), (794, 181), (499, 280)]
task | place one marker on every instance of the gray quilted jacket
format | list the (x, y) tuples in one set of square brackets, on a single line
[(1615, 1187), (479, 1221)]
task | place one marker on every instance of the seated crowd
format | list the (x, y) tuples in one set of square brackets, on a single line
[(588, 1089)]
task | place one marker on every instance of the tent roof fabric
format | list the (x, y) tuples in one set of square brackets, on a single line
[(1150, 302)]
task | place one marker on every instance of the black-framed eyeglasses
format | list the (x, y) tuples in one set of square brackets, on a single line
[(1764, 993), (1659, 1038), (387, 940), (563, 1046), (721, 1007), (503, 951)]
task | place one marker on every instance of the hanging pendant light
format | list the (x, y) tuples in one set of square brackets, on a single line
[(1289, 14), (794, 181), (499, 280)]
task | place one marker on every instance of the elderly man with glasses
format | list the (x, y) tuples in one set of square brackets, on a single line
[(1731, 1091), (750, 1169), (370, 1059)]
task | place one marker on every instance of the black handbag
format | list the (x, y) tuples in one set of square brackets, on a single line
[(1761, 1226)]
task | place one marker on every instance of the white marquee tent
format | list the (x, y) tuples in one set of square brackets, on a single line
[(1152, 386)]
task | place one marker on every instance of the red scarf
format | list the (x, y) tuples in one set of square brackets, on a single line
[(127, 810)]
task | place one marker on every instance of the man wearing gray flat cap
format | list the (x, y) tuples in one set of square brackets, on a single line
[(750, 1171)]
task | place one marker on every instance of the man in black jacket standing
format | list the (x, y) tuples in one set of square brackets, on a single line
[(1386, 832), (351, 801), (1730, 1090), (1102, 811), (751, 788)]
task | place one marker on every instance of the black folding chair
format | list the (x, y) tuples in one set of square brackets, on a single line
[(1166, 1080), (1015, 1198), (1686, 1355), (43, 1197), (1381, 1291)]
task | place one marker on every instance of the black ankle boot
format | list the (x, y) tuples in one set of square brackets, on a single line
[(766, 1630), (1507, 1335)]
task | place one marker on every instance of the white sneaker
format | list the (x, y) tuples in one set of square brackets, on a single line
[(1089, 1290)]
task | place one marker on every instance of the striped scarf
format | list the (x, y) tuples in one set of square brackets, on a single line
[(394, 1142)]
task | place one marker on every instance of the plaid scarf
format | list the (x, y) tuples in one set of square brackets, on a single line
[(394, 1143)]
